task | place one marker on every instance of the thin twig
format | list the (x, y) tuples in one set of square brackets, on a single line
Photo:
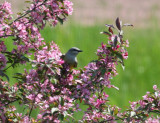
[(33, 104), (12, 101), (27, 12), (4, 36), (36, 96)]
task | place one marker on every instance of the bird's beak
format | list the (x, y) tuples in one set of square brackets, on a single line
[(80, 51)]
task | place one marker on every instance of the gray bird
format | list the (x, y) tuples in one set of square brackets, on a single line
[(71, 57)]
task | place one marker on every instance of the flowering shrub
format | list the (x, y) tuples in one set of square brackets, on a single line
[(51, 87)]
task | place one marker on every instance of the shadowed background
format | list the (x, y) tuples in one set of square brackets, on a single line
[(82, 29)]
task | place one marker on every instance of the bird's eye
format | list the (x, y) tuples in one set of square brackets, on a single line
[(75, 50)]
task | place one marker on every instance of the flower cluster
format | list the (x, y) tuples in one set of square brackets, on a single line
[(97, 74), (3, 61), (5, 16), (99, 110), (51, 10), (25, 29), (141, 110), (51, 87)]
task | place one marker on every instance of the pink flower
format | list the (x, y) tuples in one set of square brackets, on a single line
[(99, 102), (7, 7), (31, 96), (105, 96), (155, 87), (39, 116), (68, 5), (152, 120), (3, 61), (145, 97), (39, 97), (133, 105), (2, 46), (127, 43), (26, 119), (125, 55), (142, 103)]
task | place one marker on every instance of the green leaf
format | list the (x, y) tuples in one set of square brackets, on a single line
[(65, 113), (116, 111), (29, 31), (61, 117), (27, 1), (61, 101), (106, 33), (60, 20), (94, 73), (4, 75), (103, 71), (121, 59), (115, 41), (24, 58), (119, 56)]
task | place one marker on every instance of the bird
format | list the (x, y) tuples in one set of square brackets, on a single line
[(71, 57)]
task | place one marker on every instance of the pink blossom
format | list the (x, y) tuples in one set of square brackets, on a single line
[(127, 43), (2, 46), (38, 98), (99, 102), (7, 7), (31, 96), (155, 87), (39, 116), (3, 61), (105, 96), (142, 103), (145, 97), (152, 120), (68, 5), (133, 105), (125, 55), (26, 119)]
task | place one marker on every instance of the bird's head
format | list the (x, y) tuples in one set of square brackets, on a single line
[(74, 51)]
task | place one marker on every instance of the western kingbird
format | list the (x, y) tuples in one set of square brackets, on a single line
[(71, 56)]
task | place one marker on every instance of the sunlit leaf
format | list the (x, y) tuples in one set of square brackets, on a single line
[(27, 1), (110, 30), (54, 110), (106, 33), (61, 100)]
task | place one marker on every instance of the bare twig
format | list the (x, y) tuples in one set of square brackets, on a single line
[(4, 36)]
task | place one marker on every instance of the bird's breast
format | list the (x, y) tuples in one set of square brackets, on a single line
[(70, 59)]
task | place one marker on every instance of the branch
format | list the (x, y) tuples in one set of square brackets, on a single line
[(4, 36), (36, 96), (33, 104), (27, 12), (12, 101)]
